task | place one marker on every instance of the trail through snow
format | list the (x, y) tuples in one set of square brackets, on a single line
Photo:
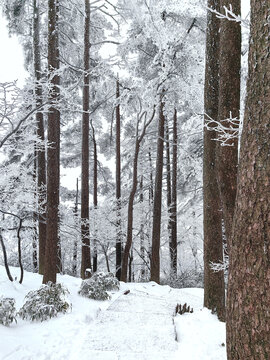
[(136, 326)]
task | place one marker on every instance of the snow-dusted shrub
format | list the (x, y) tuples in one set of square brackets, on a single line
[(97, 286), (45, 303), (7, 311), (106, 280)]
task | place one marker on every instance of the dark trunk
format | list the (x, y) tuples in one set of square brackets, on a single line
[(118, 186), (41, 158), (86, 258), (248, 301), (214, 293), (5, 257), (155, 259), (53, 177), (229, 105), (142, 244)]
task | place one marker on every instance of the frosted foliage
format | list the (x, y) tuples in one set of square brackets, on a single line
[(97, 286), (45, 303), (7, 311)]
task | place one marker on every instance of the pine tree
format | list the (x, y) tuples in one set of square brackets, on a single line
[(214, 294), (248, 302), (86, 258), (53, 178)]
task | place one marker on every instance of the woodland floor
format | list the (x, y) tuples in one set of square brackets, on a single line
[(136, 326)]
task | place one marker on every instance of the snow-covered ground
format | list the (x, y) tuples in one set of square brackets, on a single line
[(136, 326)]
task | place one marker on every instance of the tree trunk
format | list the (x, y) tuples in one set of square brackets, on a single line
[(41, 158), (174, 200), (130, 213), (95, 199), (248, 302), (118, 186), (169, 189), (53, 177), (142, 241), (229, 106), (75, 244), (155, 260), (86, 258), (214, 294)]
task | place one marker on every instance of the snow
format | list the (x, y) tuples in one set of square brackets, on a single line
[(136, 326)]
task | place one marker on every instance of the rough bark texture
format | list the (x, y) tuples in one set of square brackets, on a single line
[(41, 159), (86, 257), (75, 244), (155, 259), (229, 105), (214, 295), (118, 186), (173, 245), (248, 316), (53, 178)]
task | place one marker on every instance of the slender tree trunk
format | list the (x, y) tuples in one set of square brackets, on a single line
[(75, 244), (169, 192), (142, 241), (95, 198), (118, 186), (130, 213), (174, 199), (41, 158), (214, 293), (5, 256), (229, 105), (53, 178), (86, 258), (248, 301), (155, 259)]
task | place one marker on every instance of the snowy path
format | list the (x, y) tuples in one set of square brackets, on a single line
[(137, 326)]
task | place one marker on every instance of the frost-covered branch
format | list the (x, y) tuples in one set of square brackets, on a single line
[(231, 16)]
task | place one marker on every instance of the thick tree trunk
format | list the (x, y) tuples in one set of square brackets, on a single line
[(118, 187), (174, 200), (86, 258), (155, 259), (214, 294), (229, 106), (53, 178), (248, 302), (41, 158)]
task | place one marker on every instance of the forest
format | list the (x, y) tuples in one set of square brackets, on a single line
[(135, 161)]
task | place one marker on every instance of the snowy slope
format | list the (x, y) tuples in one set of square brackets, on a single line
[(137, 326)]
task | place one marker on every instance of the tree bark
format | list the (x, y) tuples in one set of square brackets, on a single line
[(41, 158), (174, 200), (229, 106), (214, 293), (248, 302), (86, 258), (95, 199), (53, 178), (75, 244), (155, 259), (118, 186)]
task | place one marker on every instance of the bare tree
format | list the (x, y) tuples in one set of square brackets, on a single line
[(141, 116)]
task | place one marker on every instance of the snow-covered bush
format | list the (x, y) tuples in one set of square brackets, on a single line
[(45, 303), (97, 286), (106, 280), (7, 311)]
